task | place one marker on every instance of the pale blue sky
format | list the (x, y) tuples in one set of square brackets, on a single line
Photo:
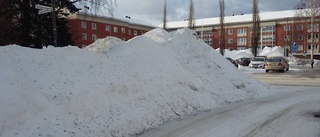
[(152, 10)]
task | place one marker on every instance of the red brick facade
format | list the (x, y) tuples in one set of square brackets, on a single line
[(86, 29)]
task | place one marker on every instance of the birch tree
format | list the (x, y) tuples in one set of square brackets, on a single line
[(222, 42), (191, 20), (310, 10), (255, 28), (165, 15)]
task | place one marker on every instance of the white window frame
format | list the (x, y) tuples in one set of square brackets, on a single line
[(94, 26), (129, 31), (94, 37), (230, 31), (135, 32), (115, 29), (241, 32), (299, 27), (84, 36), (107, 28), (230, 40), (241, 41), (300, 37), (83, 24), (123, 30), (286, 27)]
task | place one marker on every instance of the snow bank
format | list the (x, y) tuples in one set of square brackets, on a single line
[(104, 44), (270, 52), (119, 91)]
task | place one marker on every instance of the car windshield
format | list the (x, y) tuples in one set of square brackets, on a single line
[(274, 60), (258, 59), (242, 59)]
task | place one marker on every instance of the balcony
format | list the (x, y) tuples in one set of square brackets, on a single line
[(314, 40)]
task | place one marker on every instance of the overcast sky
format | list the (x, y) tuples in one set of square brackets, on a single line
[(152, 10)]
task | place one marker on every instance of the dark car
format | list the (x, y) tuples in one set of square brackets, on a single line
[(244, 61), (232, 61)]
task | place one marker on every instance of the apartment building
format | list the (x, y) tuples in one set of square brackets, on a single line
[(279, 28), (86, 28)]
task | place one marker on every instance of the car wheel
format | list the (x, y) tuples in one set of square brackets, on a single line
[(287, 69), (267, 71)]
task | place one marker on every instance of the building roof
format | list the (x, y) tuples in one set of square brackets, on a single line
[(129, 21), (264, 16)]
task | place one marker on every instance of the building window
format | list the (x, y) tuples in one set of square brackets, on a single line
[(94, 26), (83, 24), (315, 27), (299, 27), (123, 30), (315, 36), (286, 28), (230, 31), (84, 36), (242, 41), (123, 38), (115, 29), (300, 37), (267, 38), (314, 47), (242, 32), (300, 47), (135, 32), (241, 48), (141, 32), (129, 31), (267, 29), (107, 28), (230, 41), (94, 37)]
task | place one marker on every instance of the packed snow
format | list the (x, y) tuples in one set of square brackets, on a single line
[(116, 88)]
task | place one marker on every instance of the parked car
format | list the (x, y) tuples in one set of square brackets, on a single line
[(244, 61), (258, 62), (276, 64), (232, 61)]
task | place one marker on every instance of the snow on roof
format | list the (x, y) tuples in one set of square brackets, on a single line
[(123, 19), (264, 16)]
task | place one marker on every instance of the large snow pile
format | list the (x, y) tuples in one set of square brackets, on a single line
[(274, 51), (122, 91), (266, 51)]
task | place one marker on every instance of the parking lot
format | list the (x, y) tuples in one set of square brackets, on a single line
[(296, 76)]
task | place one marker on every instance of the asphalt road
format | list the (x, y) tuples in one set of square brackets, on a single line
[(296, 76), (288, 114)]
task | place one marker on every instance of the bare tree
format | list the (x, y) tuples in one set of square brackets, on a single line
[(165, 15), (310, 10), (98, 5), (222, 42), (255, 28), (191, 24)]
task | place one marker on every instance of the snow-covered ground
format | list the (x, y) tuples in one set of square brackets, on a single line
[(116, 88)]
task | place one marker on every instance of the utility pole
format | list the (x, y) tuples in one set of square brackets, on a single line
[(286, 49), (54, 26)]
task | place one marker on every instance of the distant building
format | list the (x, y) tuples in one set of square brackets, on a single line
[(86, 28), (280, 28)]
